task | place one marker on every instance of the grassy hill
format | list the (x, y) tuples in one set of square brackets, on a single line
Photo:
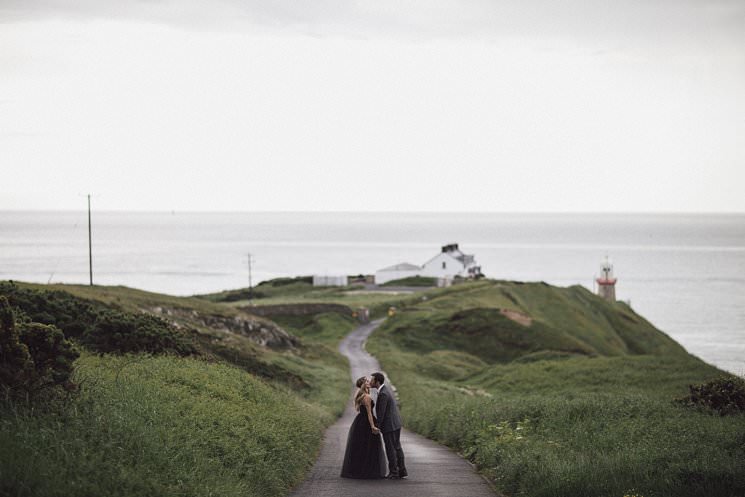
[(556, 392), (550, 391), (242, 414), (500, 321)]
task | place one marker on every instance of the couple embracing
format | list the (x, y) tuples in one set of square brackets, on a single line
[(364, 457)]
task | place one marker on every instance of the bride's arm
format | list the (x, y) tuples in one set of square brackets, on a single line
[(366, 400)]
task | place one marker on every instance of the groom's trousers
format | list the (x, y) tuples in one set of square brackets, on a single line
[(394, 453)]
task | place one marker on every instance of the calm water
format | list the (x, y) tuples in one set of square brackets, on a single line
[(685, 273)]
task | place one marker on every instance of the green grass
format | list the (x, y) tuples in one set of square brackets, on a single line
[(326, 327), (134, 300), (312, 370), (159, 427), (241, 419), (301, 291), (571, 320), (574, 427), (541, 419), (424, 281), (264, 290), (578, 402)]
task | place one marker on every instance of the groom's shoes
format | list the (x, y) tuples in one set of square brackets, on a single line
[(392, 476)]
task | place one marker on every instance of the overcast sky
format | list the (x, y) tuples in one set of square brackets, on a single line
[(423, 105)]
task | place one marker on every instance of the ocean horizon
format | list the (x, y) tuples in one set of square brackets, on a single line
[(683, 272)]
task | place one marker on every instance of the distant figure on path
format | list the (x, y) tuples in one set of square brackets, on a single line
[(363, 457), (389, 421)]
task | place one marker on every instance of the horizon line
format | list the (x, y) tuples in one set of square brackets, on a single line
[(369, 211)]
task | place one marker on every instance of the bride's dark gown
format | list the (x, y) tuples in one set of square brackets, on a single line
[(364, 457)]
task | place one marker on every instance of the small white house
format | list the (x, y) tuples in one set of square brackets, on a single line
[(445, 266), (451, 262), (397, 272)]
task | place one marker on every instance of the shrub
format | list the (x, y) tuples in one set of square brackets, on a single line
[(15, 359), (242, 294), (118, 332), (96, 325), (725, 394), (33, 356)]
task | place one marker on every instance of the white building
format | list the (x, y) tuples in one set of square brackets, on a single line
[(445, 266), (326, 280), (451, 262), (397, 272)]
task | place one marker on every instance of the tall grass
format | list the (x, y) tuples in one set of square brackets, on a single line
[(569, 426), (325, 327), (594, 445), (160, 426)]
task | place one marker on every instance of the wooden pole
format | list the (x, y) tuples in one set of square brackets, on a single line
[(250, 286), (90, 243)]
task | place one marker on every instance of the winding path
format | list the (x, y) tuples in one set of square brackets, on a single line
[(434, 470)]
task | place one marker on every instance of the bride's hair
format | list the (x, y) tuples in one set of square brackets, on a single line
[(360, 393)]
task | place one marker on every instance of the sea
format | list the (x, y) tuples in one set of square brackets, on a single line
[(683, 272)]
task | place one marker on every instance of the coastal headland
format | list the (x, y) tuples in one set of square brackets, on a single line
[(546, 390)]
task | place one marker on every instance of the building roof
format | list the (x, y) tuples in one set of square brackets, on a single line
[(465, 259), (404, 266), (453, 251)]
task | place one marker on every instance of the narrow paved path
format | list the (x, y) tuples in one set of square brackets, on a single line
[(434, 470)]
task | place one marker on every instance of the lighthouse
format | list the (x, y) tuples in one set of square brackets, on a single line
[(606, 281)]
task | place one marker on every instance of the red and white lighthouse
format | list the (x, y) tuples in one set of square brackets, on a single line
[(606, 281)]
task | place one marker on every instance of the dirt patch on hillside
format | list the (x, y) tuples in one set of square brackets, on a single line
[(517, 316), (260, 331)]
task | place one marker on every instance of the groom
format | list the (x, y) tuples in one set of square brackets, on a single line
[(389, 422)]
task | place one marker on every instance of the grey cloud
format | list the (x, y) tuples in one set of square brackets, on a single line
[(612, 23)]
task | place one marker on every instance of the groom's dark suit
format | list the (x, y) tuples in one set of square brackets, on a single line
[(389, 422)]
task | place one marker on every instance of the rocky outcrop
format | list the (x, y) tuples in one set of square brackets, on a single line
[(260, 331)]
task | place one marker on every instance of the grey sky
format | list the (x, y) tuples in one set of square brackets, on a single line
[(386, 105)]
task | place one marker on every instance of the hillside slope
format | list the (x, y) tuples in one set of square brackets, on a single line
[(241, 412), (499, 321), (555, 392)]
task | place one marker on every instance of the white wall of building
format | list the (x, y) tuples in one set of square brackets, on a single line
[(452, 267), (325, 280)]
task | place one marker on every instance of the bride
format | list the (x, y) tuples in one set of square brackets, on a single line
[(364, 457)]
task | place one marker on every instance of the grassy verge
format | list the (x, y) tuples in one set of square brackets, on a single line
[(161, 426), (540, 421)]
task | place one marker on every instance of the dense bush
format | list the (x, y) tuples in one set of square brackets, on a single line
[(725, 395), (33, 356), (265, 289), (123, 332), (95, 325), (242, 294), (15, 360)]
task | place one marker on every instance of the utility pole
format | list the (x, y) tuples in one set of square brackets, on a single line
[(90, 242), (250, 285)]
